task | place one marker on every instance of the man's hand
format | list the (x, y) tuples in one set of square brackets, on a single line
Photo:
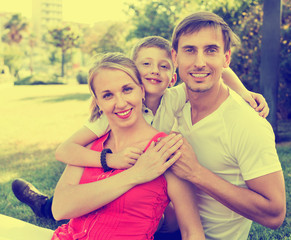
[(187, 165), (157, 159)]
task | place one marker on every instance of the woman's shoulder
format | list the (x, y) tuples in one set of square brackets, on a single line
[(155, 138)]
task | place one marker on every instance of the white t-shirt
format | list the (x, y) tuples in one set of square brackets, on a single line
[(171, 103), (235, 143)]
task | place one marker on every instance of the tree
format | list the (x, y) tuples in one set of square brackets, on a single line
[(156, 17), (64, 38), (15, 26), (111, 40), (270, 51), (13, 35)]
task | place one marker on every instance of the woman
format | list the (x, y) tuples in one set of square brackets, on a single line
[(124, 204)]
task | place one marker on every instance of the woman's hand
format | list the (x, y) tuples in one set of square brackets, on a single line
[(157, 159), (124, 159)]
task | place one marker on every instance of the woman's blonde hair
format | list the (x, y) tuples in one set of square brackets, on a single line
[(114, 61)]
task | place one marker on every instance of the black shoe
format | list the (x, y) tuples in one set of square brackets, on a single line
[(28, 194)]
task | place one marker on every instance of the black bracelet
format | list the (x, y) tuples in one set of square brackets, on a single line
[(103, 159)]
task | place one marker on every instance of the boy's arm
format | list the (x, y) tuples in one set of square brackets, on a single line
[(74, 152), (257, 101)]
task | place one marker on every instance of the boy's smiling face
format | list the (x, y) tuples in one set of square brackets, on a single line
[(156, 70)]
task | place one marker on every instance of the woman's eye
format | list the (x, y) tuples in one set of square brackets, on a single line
[(107, 95)]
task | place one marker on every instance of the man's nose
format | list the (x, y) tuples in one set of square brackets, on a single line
[(199, 60)]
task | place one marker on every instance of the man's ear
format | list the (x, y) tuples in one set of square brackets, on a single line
[(227, 56), (174, 57), (173, 80)]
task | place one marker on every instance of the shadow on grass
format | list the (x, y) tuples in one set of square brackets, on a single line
[(67, 97)]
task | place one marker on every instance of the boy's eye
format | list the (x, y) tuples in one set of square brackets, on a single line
[(146, 63), (164, 66)]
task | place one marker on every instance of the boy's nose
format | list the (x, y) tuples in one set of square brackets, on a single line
[(155, 70)]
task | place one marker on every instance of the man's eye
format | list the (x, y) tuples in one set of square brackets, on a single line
[(212, 50), (189, 50)]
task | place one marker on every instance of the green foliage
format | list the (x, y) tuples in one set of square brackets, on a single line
[(13, 58), (155, 17), (110, 41), (15, 27), (246, 59), (82, 77), (65, 38), (39, 79)]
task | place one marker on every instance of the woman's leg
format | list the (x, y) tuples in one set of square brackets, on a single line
[(14, 229)]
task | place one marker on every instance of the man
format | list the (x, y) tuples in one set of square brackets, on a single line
[(235, 166)]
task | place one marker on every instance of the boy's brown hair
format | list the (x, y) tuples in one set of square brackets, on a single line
[(152, 41)]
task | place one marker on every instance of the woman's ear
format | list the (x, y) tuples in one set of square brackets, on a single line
[(143, 92)]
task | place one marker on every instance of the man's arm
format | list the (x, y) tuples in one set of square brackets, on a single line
[(263, 201)]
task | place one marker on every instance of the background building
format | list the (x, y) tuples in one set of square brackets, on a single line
[(45, 13)]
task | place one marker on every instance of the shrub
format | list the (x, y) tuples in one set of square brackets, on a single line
[(82, 77), (40, 79)]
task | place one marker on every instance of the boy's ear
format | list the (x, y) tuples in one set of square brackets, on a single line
[(173, 80)]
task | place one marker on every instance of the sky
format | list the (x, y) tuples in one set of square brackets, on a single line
[(83, 11)]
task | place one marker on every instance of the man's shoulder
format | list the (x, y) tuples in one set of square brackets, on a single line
[(238, 113)]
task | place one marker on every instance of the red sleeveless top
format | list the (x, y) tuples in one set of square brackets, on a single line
[(134, 215)]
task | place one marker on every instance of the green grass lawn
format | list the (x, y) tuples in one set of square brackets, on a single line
[(35, 119)]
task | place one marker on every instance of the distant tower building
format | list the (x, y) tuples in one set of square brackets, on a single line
[(45, 13)]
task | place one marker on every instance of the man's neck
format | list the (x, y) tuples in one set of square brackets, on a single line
[(205, 103)]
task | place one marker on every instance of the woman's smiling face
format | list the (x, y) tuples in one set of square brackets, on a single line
[(118, 96)]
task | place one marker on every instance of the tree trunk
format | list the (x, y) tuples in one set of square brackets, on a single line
[(63, 64), (270, 50)]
